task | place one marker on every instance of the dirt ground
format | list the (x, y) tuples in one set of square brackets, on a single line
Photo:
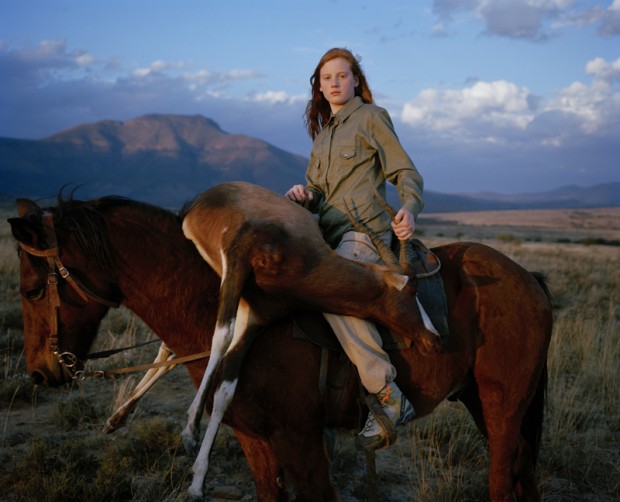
[(229, 477)]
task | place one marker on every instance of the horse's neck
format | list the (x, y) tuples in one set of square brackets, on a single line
[(167, 284)]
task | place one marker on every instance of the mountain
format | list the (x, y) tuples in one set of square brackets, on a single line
[(169, 159), (601, 195), (164, 159), (567, 196)]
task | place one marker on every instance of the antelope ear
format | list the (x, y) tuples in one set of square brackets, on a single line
[(398, 281), (26, 207)]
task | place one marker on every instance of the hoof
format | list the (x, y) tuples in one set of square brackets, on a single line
[(113, 423), (108, 427), (195, 491), (189, 443)]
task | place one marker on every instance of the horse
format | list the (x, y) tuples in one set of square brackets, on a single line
[(80, 258)]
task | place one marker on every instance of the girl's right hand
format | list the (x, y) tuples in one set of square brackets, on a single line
[(299, 194)]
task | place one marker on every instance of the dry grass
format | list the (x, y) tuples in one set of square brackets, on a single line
[(577, 225), (51, 447)]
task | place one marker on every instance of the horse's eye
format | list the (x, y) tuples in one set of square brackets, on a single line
[(35, 294)]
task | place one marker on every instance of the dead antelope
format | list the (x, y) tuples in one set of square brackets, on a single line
[(272, 259)]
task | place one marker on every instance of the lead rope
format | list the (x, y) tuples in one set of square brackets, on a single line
[(113, 374)]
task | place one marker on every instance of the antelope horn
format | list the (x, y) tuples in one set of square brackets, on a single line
[(405, 256), (382, 202), (385, 252)]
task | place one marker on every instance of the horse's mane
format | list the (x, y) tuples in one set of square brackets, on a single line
[(87, 221)]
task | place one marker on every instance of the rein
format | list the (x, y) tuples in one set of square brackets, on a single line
[(112, 374), (68, 360)]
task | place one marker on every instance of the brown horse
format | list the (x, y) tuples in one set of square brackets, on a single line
[(120, 251)]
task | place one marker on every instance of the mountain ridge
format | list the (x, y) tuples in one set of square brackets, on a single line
[(168, 159)]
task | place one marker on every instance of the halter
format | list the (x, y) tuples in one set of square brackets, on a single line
[(67, 360)]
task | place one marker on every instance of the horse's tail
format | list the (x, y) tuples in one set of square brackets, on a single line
[(532, 426), (542, 281), (533, 421)]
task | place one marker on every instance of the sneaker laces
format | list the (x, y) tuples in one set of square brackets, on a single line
[(370, 425)]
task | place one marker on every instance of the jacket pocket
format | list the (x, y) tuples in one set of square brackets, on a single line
[(347, 153)]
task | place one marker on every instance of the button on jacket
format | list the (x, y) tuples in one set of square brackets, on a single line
[(356, 149)]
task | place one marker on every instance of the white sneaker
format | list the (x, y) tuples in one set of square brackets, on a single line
[(398, 410)]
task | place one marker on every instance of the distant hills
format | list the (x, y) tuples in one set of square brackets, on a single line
[(168, 159)]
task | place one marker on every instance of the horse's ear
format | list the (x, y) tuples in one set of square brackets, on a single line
[(25, 227), (25, 231), (26, 207)]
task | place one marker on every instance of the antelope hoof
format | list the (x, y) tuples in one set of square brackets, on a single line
[(195, 493), (109, 427), (114, 423), (189, 442)]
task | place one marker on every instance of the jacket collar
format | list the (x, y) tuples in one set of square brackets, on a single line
[(344, 113)]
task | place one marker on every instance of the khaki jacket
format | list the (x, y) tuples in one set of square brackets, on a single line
[(356, 148)]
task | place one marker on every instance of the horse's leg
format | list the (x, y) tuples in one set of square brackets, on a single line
[(506, 408), (523, 466), (470, 398), (502, 423), (531, 431), (266, 470), (246, 330)]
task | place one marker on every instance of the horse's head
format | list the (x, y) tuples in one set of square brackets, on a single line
[(65, 283)]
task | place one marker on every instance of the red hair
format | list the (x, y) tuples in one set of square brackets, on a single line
[(318, 109)]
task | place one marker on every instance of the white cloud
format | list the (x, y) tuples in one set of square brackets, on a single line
[(158, 66), (597, 105), (610, 23), (84, 59), (275, 97), (602, 70), (532, 19), (485, 108), (217, 80), (502, 112), (48, 55)]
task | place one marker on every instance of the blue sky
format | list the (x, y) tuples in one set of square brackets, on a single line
[(486, 95)]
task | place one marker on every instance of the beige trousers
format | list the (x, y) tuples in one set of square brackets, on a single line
[(359, 338)]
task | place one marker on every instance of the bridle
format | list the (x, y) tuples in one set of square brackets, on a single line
[(67, 360)]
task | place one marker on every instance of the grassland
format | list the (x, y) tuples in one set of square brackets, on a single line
[(51, 447)]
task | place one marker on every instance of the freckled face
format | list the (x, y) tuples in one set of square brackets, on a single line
[(337, 83)]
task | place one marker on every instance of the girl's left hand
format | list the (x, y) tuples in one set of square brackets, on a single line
[(403, 224)]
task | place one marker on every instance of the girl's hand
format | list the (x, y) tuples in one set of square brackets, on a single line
[(299, 194), (403, 224)]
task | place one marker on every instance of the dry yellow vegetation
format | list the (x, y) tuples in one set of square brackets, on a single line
[(596, 219), (51, 447)]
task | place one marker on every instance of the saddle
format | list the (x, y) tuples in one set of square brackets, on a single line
[(425, 265), (424, 262)]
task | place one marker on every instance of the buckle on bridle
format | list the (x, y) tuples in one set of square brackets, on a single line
[(68, 360), (64, 273)]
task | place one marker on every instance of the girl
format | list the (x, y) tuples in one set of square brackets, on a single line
[(355, 147)]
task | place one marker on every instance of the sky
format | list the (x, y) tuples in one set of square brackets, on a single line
[(507, 96)]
